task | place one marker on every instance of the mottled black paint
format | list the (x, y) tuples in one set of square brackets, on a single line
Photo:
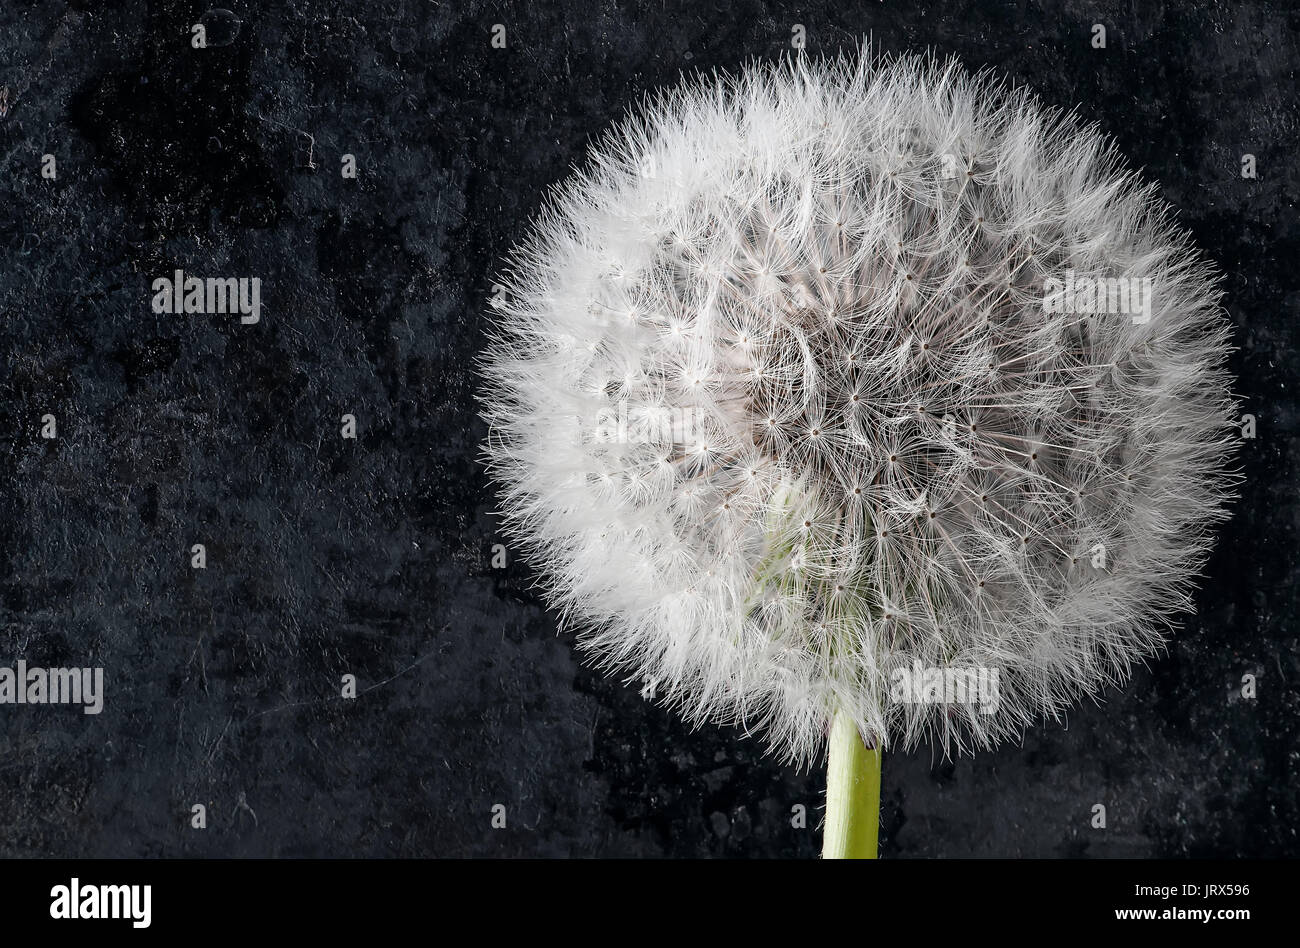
[(372, 557)]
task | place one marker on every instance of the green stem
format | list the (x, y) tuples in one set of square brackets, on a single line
[(852, 794)]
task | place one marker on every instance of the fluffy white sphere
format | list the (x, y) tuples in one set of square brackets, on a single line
[(814, 380)]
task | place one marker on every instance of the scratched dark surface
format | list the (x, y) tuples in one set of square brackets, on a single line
[(372, 557)]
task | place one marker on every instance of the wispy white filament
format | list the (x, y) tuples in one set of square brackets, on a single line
[(781, 409)]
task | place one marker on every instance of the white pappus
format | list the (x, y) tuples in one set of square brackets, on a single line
[(784, 401)]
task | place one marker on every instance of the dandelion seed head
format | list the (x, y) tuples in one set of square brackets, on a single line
[(872, 448)]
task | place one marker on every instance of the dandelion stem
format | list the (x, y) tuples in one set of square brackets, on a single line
[(852, 794)]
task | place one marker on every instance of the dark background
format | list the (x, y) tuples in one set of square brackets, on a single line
[(373, 557)]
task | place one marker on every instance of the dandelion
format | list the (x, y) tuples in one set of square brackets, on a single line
[(885, 451)]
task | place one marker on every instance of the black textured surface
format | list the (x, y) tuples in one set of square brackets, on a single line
[(372, 557)]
